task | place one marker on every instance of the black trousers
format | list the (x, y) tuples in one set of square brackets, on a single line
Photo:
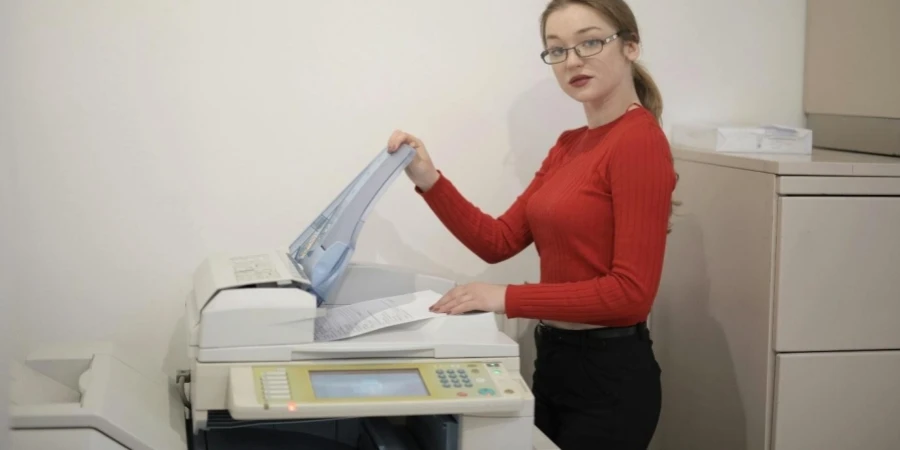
[(595, 392)]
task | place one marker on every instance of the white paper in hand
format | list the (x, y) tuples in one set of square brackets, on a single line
[(364, 317)]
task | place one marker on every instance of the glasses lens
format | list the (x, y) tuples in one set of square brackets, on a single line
[(589, 48), (555, 55)]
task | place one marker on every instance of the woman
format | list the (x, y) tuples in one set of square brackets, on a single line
[(597, 211)]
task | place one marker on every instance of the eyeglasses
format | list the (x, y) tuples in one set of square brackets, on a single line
[(590, 47)]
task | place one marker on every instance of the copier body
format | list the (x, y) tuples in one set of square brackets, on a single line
[(250, 323)]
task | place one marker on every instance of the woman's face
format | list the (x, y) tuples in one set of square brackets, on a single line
[(590, 78)]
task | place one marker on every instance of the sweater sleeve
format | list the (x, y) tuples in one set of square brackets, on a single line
[(641, 179), (492, 239)]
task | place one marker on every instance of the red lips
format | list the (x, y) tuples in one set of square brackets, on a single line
[(579, 79)]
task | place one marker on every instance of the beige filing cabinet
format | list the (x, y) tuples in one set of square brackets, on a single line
[(777, 324), (851, 84)]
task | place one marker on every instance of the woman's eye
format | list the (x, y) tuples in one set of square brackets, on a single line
[(593, 43)]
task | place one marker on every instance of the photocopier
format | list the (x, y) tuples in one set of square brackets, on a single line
[(257, 378)]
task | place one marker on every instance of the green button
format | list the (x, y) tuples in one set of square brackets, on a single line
[(486, 391)]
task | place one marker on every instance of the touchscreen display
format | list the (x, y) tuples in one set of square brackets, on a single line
[(367, 383)]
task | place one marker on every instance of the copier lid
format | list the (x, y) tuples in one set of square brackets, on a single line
[(326, 246)]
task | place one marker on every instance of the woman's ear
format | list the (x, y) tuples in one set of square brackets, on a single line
[(633, 50)]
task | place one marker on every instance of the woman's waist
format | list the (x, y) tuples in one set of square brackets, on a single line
[(570, 325), (546, 330)]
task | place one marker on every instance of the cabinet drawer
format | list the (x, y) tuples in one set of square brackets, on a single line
[(837, 401), (837, 284)]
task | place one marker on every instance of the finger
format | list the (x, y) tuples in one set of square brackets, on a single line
[(448, 297), (437, 306), (399, 138), (456, 303), (395, 140), (464, 307)]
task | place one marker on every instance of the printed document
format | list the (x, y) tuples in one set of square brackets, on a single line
[(364, 317)]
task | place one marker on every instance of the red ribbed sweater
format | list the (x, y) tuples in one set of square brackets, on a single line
[(597, 211)]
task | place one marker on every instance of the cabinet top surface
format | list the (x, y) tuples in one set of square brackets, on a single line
[(820, 163)]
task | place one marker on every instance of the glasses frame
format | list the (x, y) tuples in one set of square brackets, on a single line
[(578, 51)]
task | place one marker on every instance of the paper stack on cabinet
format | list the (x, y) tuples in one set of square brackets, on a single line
[(771, 139)]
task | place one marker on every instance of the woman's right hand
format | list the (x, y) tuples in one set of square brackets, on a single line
[(420, 170)]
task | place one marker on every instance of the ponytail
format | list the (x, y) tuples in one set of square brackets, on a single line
[(647, 91), (651, 98)]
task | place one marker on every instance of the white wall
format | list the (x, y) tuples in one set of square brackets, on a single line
[(150, 133), (5, 281), (5, 274), (7, 165)]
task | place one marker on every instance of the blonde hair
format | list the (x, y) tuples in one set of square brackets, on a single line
[(619, 14), (622, 19)]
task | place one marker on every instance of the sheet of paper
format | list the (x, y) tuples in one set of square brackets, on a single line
[(360, 318)]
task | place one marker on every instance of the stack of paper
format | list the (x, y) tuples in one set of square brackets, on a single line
[(364, 317), (774, 139)]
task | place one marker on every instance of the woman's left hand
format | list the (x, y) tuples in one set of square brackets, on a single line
[(472, 297)]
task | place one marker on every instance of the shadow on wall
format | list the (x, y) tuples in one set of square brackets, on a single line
[(536, 119), (529, 146), (681, 319)]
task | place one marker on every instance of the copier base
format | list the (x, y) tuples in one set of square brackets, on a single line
[(78, 397), (374, 433)]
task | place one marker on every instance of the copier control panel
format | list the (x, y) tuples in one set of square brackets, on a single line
[(360, 390)]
